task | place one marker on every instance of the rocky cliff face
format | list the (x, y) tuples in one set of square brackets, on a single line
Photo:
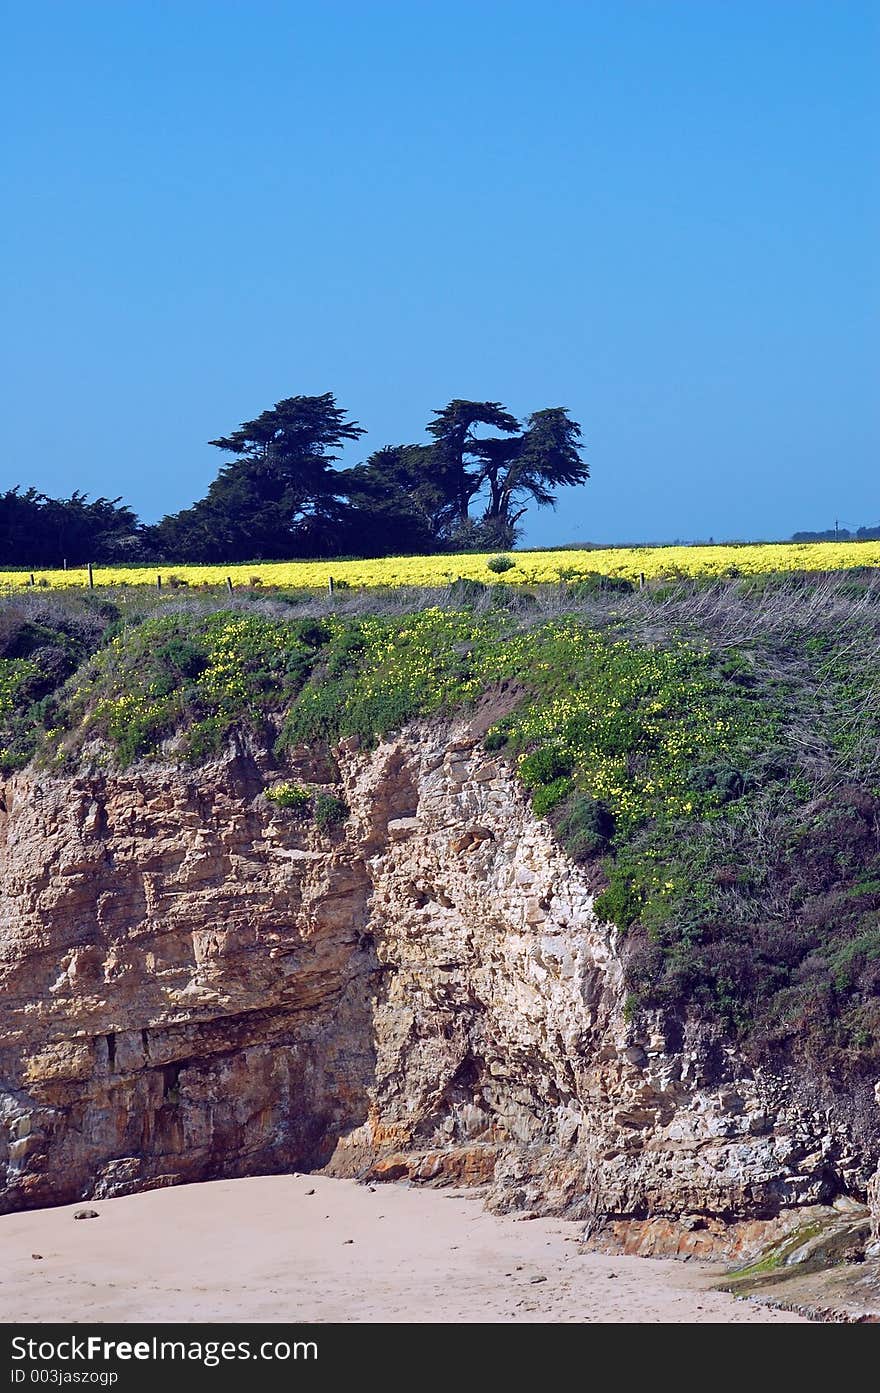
[(196, 983)]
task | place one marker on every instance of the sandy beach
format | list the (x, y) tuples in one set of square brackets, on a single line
[(307, 1248)]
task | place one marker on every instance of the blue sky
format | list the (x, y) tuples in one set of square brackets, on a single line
[(662, 214)]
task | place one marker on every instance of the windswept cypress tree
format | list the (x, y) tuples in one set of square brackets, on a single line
[(280, 496)]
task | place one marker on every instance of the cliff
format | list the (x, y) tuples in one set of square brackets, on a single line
[(198, 983)]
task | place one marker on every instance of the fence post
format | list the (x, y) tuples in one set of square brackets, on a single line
[(330, 585), (33, 582), (641, 580), (158, 581), (91, 577), (229, 584), (64, 563)]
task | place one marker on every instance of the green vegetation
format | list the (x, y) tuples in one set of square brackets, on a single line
[(325, 809), (711, 751), (41, 646), (330, 811), (288, 795)]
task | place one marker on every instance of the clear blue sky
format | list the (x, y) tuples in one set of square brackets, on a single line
[(662, 214)]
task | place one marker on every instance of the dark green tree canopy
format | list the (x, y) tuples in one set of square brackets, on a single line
[(281, 492), (296, 430), (455, 446), (399, 504), (39, 531), (546, 456), (414, 497), (279, 497)]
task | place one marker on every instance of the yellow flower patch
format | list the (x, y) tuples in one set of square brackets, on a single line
[(531, 567)]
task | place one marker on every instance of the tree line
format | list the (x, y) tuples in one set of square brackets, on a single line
[(281, 495), (840, 534)]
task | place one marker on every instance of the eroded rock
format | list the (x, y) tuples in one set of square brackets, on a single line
[(196, 985)]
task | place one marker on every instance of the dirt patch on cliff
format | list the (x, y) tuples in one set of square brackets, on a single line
[(494, 706)]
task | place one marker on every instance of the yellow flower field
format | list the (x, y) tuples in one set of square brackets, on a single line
[(530, 567)]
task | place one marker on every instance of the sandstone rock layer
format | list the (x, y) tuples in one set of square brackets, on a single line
[(197, 983)]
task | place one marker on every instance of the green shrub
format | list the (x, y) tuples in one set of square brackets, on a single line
[(500, 564), (495, 739), (848, 962), (548, 796), (348, 645), (330, 811), (312, 633), (584, 826), (544, 766), (291, 796), (184, 657), (206, 738), (721, 781), (620, 903), (327, 811)]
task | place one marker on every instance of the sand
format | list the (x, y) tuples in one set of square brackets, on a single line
[(307, 1248)]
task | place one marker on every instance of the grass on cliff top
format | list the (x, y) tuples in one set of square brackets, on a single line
[(714, 749)]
